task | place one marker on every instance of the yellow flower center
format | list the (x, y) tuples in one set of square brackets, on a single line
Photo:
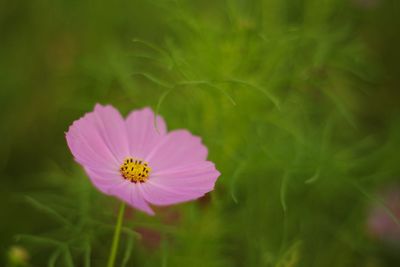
[(135, 170)]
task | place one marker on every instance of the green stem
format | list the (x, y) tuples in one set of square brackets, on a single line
[(117, 232)]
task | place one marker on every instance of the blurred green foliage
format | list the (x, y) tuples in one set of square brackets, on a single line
[(296, 100)]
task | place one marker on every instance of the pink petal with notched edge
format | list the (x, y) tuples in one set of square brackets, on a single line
[(98, 141), (104, 181), (180, 184), (130, 193), (87, 145), (188, 178), (177, 148), (113, 130), (142, 132), (113, 184)]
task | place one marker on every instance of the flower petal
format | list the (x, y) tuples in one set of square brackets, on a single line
[(104, 181), (177, 148), (87, 144), (129, 193), (180, 184), (142, 131), (113, 130), (113, 184)]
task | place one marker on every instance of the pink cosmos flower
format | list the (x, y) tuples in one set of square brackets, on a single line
[(138, 163)]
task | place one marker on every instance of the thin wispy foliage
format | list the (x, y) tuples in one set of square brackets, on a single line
[(296, 102)]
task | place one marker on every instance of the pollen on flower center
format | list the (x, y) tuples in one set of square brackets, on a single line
[(135, 170)]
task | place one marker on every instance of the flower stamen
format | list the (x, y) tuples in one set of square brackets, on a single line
[(135, 170)]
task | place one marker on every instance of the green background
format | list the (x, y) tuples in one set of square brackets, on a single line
[(296, 100)]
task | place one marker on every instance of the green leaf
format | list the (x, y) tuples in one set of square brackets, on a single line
[(128, 251), (48, 210), (291, 257)]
